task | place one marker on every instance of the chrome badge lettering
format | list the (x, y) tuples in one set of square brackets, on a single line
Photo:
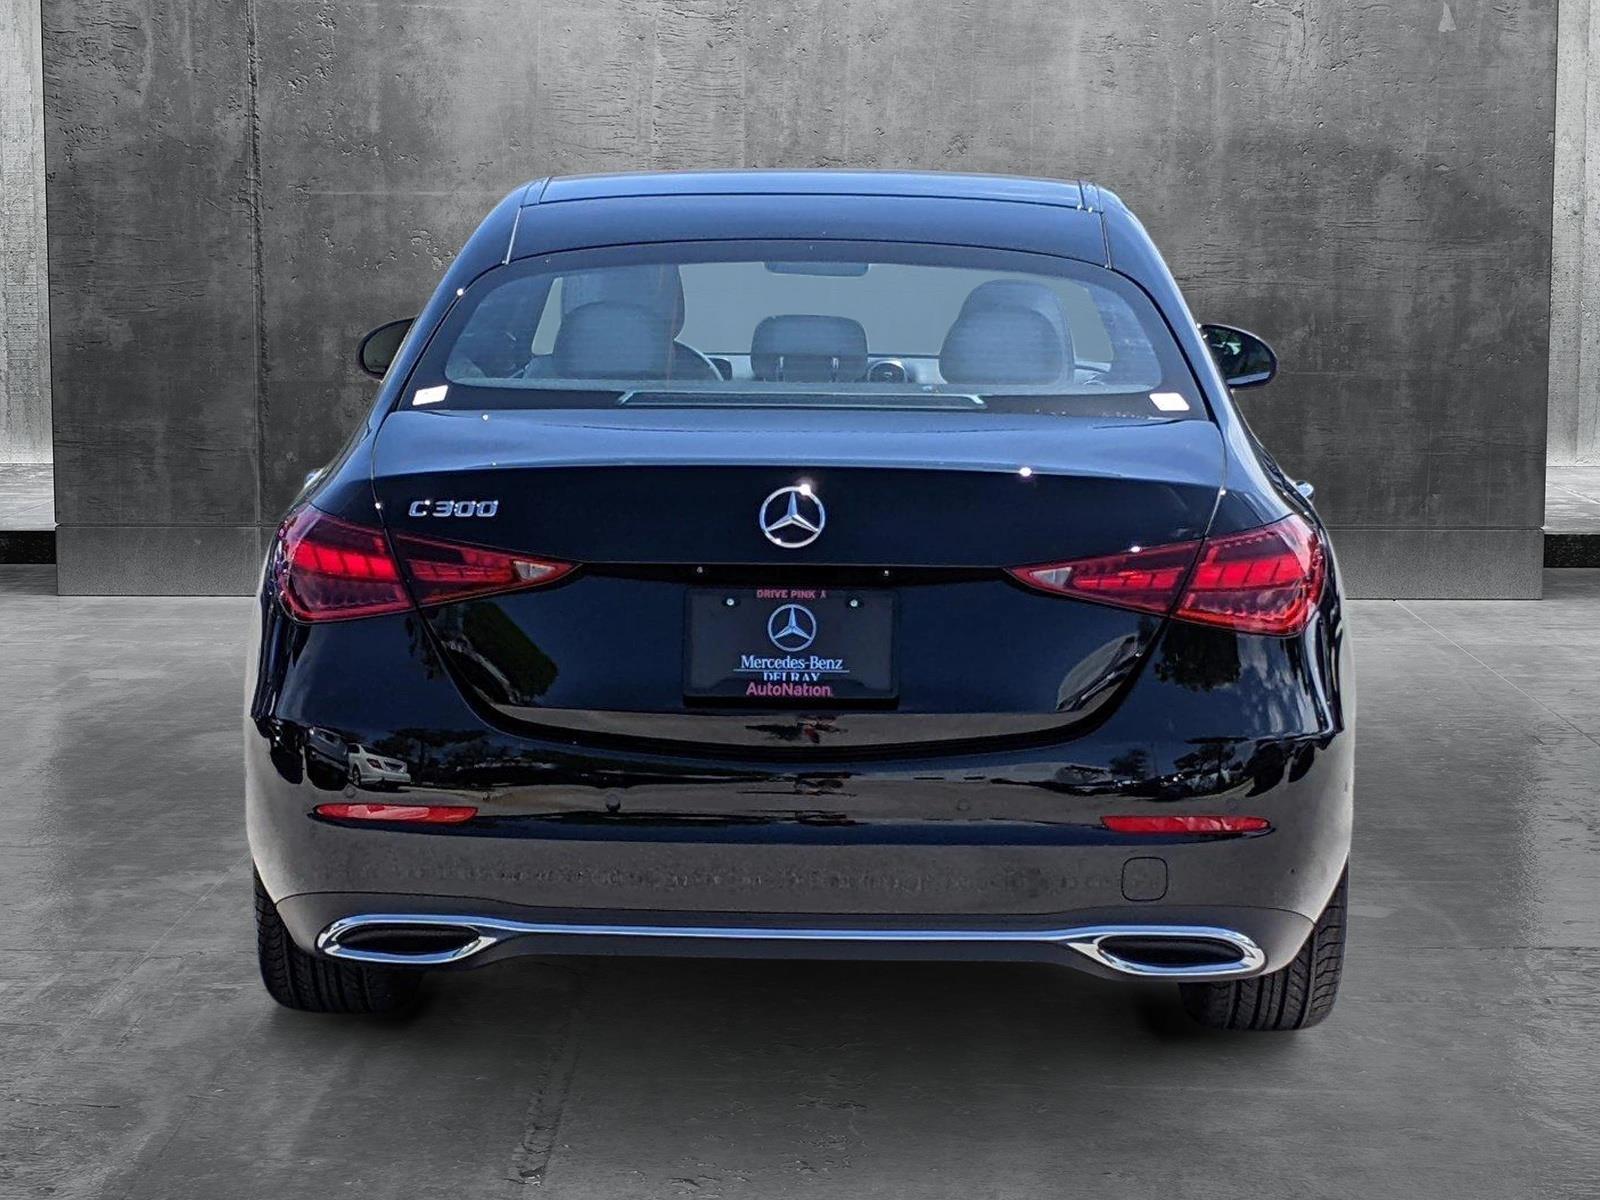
[(453, 508)]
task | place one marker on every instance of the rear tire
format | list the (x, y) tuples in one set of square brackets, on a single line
[(307, 983), (1298, 996)]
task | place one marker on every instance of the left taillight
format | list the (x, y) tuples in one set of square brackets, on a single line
[(330, 569)]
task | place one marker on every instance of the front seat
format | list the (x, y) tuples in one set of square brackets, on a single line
[(1000, 296), (606, 340), (809, 348), (655, 288), (1002, 344)]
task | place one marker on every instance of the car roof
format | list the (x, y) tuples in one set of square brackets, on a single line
[(947, 185), (1043, 216)]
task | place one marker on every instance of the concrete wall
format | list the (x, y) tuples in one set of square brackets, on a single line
[(1575, 267), (238, 188), (24, 313)]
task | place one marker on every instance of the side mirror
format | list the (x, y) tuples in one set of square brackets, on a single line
[(378, 348), (1243, 358)]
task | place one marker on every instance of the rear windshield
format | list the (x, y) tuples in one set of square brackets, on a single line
[(806, 324)]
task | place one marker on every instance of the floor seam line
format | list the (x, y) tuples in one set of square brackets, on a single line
[(147, 956), (1509, 683)]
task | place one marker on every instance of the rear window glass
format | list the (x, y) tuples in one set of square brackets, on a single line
[(806, 325)]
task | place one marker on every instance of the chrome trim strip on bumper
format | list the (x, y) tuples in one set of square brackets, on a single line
[(484, 932)]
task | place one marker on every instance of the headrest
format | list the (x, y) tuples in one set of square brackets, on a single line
[(657, 289), (809, 348), (612, 341), (1002, 345), (1024, 293)]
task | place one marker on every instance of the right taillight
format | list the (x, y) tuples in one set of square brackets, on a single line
[(1265, 580), (1146, 579), (330, 569)]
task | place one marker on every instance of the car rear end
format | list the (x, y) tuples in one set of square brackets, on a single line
[(828, 598)]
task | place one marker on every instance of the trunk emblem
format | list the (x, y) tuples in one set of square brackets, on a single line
[(792, 517)]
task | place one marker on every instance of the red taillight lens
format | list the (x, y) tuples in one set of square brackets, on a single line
[(421, 814), (330, 569), (1265, 580), (445, 571), (1186, 824), (1147, 580)]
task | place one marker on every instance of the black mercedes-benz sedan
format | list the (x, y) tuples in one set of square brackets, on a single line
[(805, 563)]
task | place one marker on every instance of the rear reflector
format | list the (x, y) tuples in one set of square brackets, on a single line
[(330, 570), (1265, 580), (424, 814), (1186, 824)]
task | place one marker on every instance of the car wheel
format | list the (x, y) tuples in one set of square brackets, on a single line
[(305, 982), (1296, 997)]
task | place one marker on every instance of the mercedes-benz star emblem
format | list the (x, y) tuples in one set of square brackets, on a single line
[(792, 627), (792, 517)]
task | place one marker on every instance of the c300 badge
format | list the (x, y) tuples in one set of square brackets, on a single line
[(453, 508)]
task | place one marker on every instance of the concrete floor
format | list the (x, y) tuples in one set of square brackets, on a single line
[(140, 1058)]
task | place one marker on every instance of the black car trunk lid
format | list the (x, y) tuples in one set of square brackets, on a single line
[(908, 521)]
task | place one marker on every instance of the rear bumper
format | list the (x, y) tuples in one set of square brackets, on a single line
[(443, 931), (944, 887), (981, 854)]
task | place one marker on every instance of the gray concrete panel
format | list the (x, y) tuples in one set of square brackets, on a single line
[(151, 197), (24, 302), (1574, 433), (1367, 187), (144, 560), (1440, 563)]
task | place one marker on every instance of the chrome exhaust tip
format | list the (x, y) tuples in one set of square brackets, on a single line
[(414, 941), (1174, 952), (1146, 951)]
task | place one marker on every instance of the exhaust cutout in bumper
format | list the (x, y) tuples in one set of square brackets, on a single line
[(1145, 951)]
